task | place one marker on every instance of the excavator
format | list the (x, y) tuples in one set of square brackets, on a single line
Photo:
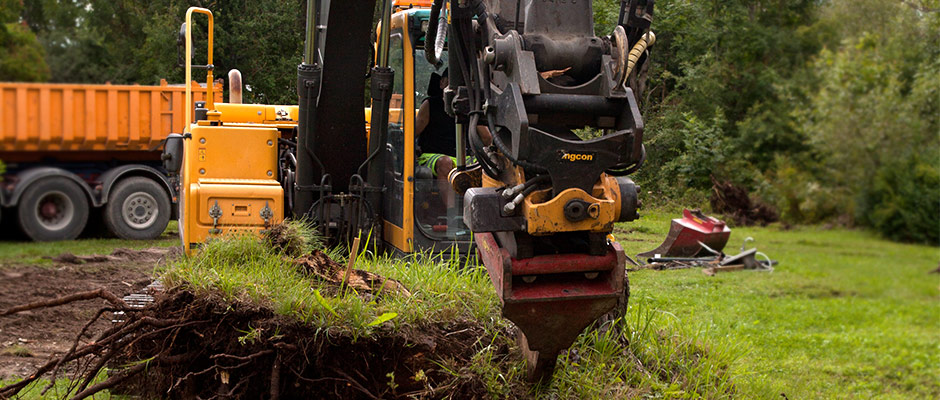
[(536, 204)]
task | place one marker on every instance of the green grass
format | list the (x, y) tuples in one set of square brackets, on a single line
[(61, 389), (244, 268), (647, 353), (845, 314), (40, 253)]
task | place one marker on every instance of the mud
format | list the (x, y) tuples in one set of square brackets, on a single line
[(48, 332), (207, 347), (238, 350)]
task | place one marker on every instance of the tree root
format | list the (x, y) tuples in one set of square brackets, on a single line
[(80, 296)]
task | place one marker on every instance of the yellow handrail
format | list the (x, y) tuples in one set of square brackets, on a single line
[(210, 101)]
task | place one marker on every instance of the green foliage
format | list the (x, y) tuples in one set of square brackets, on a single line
[(126, 41), (903, 201), (802, 102), (715, 103), (21, 55), (876, 108)]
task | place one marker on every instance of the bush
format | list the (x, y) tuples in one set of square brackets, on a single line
[(21, 56), (903, 201)]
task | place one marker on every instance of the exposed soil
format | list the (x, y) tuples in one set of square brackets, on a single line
[(51, 331), (206, 347)]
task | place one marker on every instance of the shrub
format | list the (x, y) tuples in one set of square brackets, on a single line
[(903, 201)]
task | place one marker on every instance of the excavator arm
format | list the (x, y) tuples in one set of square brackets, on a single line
[(563, 133), (534, 73)]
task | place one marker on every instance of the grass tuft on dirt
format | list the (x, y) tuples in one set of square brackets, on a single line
[(242, 268), (644, 353), (242, 318), (17, 351)]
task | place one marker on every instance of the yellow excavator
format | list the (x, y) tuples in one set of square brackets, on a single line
[(538, 202)]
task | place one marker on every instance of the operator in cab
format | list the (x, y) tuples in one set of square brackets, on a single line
[(437, 136)]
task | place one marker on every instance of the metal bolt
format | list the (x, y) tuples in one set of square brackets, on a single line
[(202, 170), (202, 140), (270, 173), (270, 143)]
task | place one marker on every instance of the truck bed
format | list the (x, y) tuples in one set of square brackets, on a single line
[(89, 122)]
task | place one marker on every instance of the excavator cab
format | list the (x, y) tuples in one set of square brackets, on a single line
[(416, 214)]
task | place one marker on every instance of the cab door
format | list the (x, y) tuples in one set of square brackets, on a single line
[(397, 226)]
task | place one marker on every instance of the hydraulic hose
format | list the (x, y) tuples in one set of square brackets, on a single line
[(433, 42), (645, 41)]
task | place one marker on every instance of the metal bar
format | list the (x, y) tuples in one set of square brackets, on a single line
[(310, 43), (562, 263), (461, 146), (386, 31)]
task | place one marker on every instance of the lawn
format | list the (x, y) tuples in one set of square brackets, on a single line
[(844, 315), (16, 252)]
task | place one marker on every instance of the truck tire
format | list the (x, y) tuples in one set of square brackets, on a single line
[(138, 209), (53, 209)]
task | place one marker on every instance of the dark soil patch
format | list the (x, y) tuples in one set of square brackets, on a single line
[(733, 201), (241, 350), (47, 332), (186, 346)]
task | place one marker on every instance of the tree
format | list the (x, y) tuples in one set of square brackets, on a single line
[(21, 56)]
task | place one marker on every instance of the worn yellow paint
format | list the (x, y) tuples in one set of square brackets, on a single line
[(546, 216)]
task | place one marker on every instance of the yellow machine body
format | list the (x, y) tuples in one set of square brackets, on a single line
[(229, 181), (545, 215), (229, 178)]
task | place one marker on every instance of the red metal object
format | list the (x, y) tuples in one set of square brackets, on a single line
[(687, 232), (552, 298)]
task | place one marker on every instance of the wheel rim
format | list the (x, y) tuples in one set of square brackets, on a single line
[(140, 210), (55, 211)]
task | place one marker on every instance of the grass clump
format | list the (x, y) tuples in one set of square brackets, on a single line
[(18, 351), (243, 268), (642, 354)]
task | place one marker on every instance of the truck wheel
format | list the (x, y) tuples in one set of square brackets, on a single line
[(138, 209), (53, 209)]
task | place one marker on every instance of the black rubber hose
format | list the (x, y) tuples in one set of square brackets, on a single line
[(430, 38), (479, 149), (621, 170)]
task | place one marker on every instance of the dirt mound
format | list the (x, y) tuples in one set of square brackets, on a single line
[(287, 238), (203, 347), (733, 201)]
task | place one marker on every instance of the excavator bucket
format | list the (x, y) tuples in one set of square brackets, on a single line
[(687, 234), (552, 298)]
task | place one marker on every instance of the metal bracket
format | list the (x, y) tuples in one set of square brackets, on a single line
[(266, 214), (215, 212)]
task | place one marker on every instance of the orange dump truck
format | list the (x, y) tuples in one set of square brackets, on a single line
[(70, 149)]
